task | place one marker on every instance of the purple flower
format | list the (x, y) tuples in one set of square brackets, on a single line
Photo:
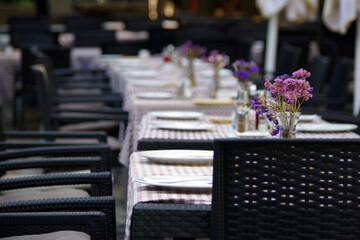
[(217, 59), (275, 131), (245, 71), (191, 50), (257, 106), (288, 93)]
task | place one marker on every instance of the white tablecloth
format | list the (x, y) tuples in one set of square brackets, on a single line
[(140, 167), (122, 82)]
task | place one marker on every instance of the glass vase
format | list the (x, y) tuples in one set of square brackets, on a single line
[(190, 72), (214, 86), (287, 123)]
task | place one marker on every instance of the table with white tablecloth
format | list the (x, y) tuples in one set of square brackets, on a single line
[(123, 79), (145, 199)]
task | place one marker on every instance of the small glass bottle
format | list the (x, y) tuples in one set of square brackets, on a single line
[(241, 121)]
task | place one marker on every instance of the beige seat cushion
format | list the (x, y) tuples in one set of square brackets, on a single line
[(79, 91), (90, 126), (42, 194), (111, 141), (60, 235), (82, 105)]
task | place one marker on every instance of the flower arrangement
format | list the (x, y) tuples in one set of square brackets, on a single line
[(191, 50), (288, 93), (245, 71), (217, 59)]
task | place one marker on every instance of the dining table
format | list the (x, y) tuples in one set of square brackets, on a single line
[(151, 84), (162, 210)]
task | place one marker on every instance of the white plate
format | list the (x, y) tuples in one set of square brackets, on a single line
[(253, 134), (129, 62), (184, 126), (327, 127), (142, 74), (111, 56), (226, 93), (177, 114), (178, 182), (210, 73), (149, 83), (180, 156), (308, 117), (154, 95), (228, 84)]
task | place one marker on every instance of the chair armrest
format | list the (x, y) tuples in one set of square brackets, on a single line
[(105, 205), (101, 86), (71, 71), (101, 182), (49, 135), (29, 223), (75, 119), (101, 150), (99, 110), (113, 98), (91, 163), (19, 145), (72, 79)]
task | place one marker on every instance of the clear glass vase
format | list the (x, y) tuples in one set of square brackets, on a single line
[(287, 123), (190, 72), (214, 86)]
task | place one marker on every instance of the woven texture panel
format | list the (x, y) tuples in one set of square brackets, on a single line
[(159, 220), (286, 189)]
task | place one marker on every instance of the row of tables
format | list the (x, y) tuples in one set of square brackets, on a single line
[(157, 213)]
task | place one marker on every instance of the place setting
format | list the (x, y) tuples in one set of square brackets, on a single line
[(183, 115), (183, 126), (154, 95), (326, 127), (185, 183), (153, 83), (143, 74), (178, 156)]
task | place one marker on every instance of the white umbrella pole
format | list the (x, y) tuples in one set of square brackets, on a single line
[(271, 46), (356, 104)]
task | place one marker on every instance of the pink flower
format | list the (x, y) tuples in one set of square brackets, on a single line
[(301, 73)]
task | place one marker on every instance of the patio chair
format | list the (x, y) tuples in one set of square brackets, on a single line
[(286, 189), (155, 144), (53, 225), (288, 60), (320, 69), (54, 116), (336, 95), (92, 157), (68, 77), (26, 201), (56, 207)]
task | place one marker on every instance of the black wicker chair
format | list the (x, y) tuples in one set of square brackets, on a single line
[(288, 59), (154, 144), (59, 199), (57, 207), (95, 157), (48, 224), (286, 189)]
